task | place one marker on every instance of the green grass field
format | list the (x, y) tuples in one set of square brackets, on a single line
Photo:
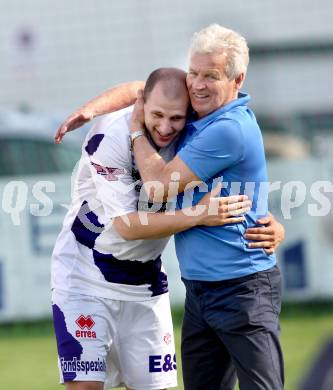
[(28, 352)]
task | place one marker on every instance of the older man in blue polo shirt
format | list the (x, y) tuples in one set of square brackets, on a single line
[(233, 293)]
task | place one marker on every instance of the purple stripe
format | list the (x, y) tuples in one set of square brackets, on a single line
[(133, 272), (68, 347), (93, 143), (86, 227)]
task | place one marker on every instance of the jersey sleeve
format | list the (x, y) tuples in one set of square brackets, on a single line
[(109, 162), (217, 147)]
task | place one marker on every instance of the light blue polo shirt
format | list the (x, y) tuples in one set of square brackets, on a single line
[(227, 146)]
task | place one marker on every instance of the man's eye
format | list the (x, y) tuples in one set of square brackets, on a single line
[(212, 77)]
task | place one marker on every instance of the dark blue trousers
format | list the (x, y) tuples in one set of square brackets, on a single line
[(231, 328)]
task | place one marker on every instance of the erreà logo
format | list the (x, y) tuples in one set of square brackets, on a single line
[(85, 322)]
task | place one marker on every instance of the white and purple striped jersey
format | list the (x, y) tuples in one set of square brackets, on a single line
[(90, 257)]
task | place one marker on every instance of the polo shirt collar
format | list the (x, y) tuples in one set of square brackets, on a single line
[(242, 100)]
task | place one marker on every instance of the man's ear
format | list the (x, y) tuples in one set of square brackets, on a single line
[(239, 80)]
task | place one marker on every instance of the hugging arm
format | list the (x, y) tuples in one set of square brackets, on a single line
[(111, 100), (210, 211)]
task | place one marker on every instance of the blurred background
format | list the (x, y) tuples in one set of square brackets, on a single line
[(54, 56)]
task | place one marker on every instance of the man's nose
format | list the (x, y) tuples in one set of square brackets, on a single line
[(198, 83), (165, 127)]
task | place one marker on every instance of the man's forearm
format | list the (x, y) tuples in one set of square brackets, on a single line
[(114, 99), (149, 162), (143, 225), (212, 210), (153, 169), (109, 101)]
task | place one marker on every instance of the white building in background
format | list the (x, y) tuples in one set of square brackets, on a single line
[(56, 55)]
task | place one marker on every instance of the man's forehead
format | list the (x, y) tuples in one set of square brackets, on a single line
[(207, 69), (167, 107), (164, 93), (165, 86), (156, 105), (211, 61)]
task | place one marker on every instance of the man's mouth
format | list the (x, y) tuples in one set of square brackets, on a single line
[(200, 96), (165, 137)]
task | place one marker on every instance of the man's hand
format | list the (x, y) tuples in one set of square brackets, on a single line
[(138, 116), (72, 122), (268, 237), (218, 211)]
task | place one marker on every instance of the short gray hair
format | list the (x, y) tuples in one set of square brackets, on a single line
[(216, 38)]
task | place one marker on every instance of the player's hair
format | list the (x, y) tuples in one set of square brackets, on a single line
[(216, 38), (173, 81)]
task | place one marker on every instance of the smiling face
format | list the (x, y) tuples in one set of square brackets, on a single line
[(209, 87), (165, 114)]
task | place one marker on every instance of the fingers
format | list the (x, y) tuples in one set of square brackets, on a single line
[(233, 199), (231, 209), (264, 237), (266, 245), (237, 206), (261, 244), (232, 204), (268, 219), (137, 117), (233, 213), (234, 209), (269, 242), (63, 129), (58, 137), (225, 200), (233, 220), (260, 230), (140, 94), (260, 237), (263, 221), (227, 210), (71, 123), (139, 101)]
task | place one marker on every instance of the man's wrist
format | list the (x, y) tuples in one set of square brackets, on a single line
[(135, 135), (193, 217), (88, 112)]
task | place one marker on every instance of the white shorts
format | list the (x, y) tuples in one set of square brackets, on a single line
[(120, 343)]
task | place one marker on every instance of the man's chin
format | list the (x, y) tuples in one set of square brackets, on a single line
[(163, 144), (200, 109)]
